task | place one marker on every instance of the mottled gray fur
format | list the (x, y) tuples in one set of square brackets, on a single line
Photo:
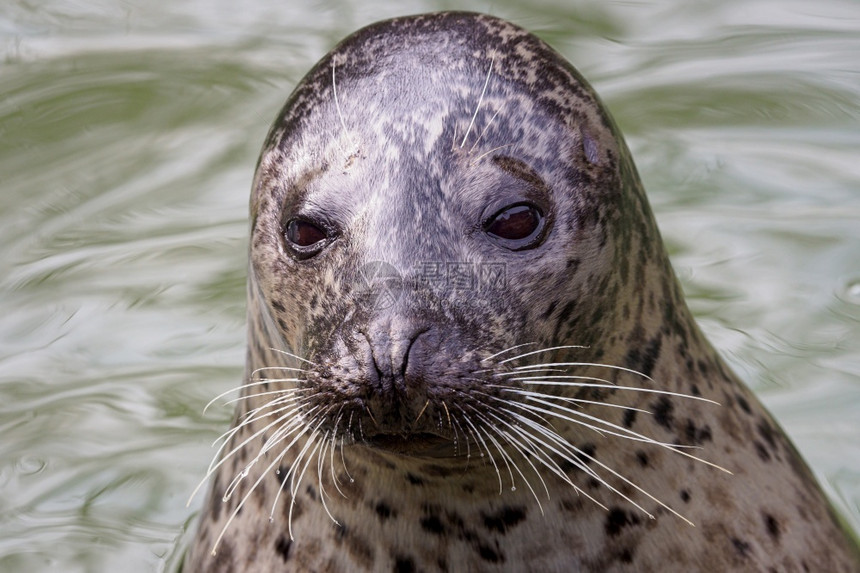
[(404, 439)]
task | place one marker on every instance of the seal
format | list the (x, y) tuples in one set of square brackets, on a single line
[(467, 350)]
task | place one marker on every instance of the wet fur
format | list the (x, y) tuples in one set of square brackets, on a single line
[(589, 424)]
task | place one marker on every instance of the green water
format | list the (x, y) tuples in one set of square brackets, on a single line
[(128, 136)]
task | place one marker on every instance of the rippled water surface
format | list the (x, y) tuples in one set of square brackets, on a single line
[(128, 136)]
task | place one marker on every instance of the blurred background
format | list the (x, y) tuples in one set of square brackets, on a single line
[(129, 131)]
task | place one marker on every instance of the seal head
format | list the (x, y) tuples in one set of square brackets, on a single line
[(467, 348)]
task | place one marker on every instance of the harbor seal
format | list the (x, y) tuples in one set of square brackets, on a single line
[(467, 350)]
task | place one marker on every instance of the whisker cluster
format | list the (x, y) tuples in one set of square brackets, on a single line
[(501, 416)]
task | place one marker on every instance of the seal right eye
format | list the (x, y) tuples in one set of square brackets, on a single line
[(305, 238)]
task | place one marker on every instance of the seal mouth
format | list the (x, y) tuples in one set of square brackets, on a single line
[(420, 445)]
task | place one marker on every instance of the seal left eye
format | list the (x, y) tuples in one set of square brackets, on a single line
[(305, 238), (517, 227)]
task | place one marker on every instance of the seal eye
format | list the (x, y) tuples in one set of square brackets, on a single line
[(305, 238), (517, 226)]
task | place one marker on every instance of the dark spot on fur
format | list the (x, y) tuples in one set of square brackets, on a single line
[(582, 454), (224, 556), (762, 452), (278, 306), (489, 554), (685, 495), (745, 406), (283, 546), (742, 547), (663, 412), (629, 418), (403, 564), (283, 325), (772, 525), (414, 479), (215, 501), (432, 524), (341, 531), (586, 451), (650, 355), (617, 520), (626, 556), (697, 436), (504, 519), (383, 511), (549, 310), (766, 432), (642, 457)]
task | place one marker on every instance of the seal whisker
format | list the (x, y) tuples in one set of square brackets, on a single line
[(530, 447), (334, 477), (529, 371), (294, 484), (251, 490), (239, 388), (579, 418), (265, 368), (506, 350), (480, 441), (480, 100), (225, 456), (343, 463), (291, 355), (486, 127), (287, 475), (258, 414), (627, 434), (257, 395), (541, 381), (522, 449), (544, 434), (508, 438), (337, 104), (575, 458), (541, 351), (593, 364), (574, 401), (323, 493), (503, 454), (465, 437), (292, 421), (421, 413), (638, 488), (483, 155)]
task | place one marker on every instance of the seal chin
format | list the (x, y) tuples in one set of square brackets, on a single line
[(421, 445)]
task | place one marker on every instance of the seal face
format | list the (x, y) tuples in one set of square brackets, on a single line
[(467, 349)]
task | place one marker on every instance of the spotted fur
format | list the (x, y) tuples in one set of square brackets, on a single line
[(548, 409)]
